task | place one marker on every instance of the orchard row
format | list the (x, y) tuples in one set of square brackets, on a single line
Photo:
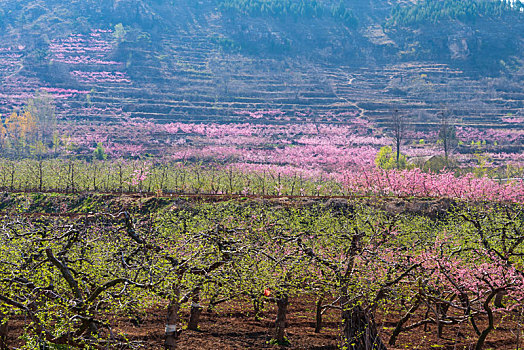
[(465, 270), (163, 177)]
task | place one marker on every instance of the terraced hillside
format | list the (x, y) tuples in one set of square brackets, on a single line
[(173, 61)]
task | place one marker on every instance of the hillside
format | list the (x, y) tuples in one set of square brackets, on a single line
[(218, 59), (261, 174)]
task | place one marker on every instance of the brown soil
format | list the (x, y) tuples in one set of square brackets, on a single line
[(232, 326), (229, 326)]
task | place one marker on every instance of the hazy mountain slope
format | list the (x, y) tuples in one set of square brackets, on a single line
[(215, 59)]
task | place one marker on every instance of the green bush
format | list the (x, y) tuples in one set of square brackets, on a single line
[(387, 159), (433, 11)]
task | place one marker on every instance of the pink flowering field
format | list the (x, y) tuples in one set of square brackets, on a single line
[(340, 145)]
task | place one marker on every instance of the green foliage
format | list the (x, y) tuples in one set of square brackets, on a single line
[(345, 15), (119, 32), (29, 132), (62, 272), (225, 44), (483, 165), (276, 8), (387, 159), (99, 153), (119, 175), (276, 342), (46, 274), (291, 8), (433, 11)]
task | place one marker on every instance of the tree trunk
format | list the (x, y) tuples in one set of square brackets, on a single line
[(280, 322), (499, 297), (3, 332), (403, 320), (172, 333), (442, 311), (40, 176), (398, 153), (318, 320), (212, 302), (257, 308), (196, 311), (491, 325), (360, 331)]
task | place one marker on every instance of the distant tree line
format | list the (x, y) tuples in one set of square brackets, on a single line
[(433, 11), (291, 8), (30, 130)]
